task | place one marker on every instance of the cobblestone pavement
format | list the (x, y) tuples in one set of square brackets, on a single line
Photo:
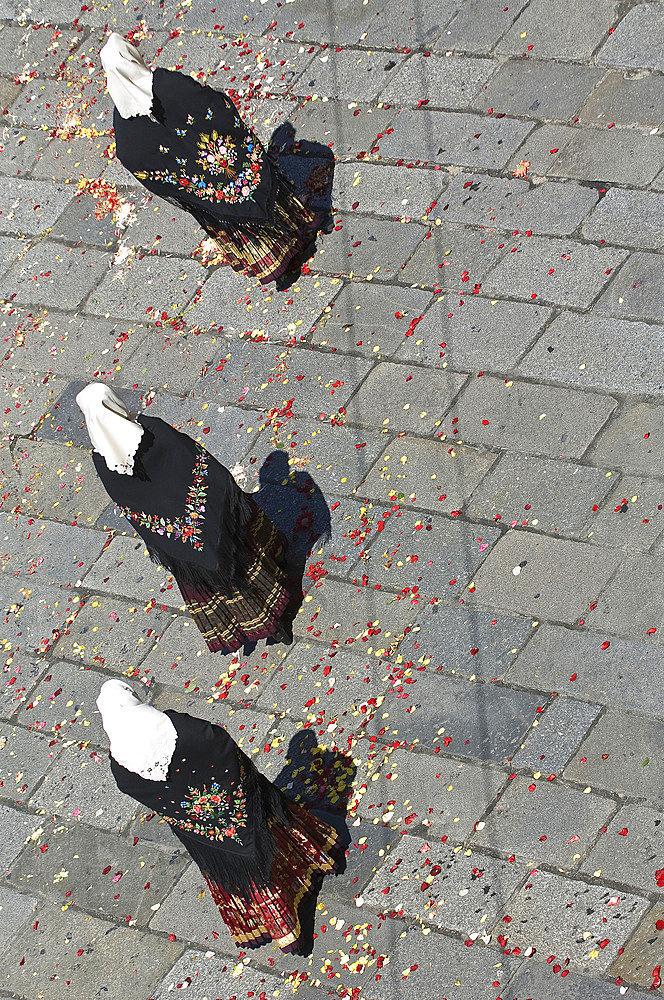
[(467, 379)]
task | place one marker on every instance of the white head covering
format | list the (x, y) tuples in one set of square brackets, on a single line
[(128, 79), (142, 738), (112, 431)]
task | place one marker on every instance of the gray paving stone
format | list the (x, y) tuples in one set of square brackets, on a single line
[(80, 786), (208, 17), (51, 956), (437, 562), (550, 495), (557, 422), (403, 397), (348, 614), (635, 292), (484, 334), (31, 206), (621, 754), (466, 643), (10, 251), (540, 822), (25, 396), (628, 851), (21, 147), (555, 735), (449, 82), (465, 140), (643, 952), (203, 974), (370, 319), (366, 247), (627, 217), (24, 757), (554, 270), (539, 589), (370, 187), (408, 23), (405, 466), (26, 673), (637, 41), (568, 918), (635, 103), (348, 131), (558, 30), (161, 227), (632, 515), (45, 276), (78, 223), (70, 159), (633, 439), (47, 552), (455, 258), (52, 103), (445, 795), (539, 980), (619, 156), (478, 26), (16, 829), (621, 605), (508, 203), (190, 913), (33, 619), (370, 848), (612, 354), (140, 875), (59, 483), (351, 74), (437, 886), (463, 973), (64, 703), (342, 23), (16, 910), (574, 663), (125, 568), (478, 720), (171, 363), (147, 287), (538, 89), (34, 47)]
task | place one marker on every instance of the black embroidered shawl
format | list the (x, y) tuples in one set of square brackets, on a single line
[(198, 151), (216, 803), (185, 505)]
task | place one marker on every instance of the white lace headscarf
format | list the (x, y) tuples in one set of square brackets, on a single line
[(142, 738), (128, 79), (112, 431)]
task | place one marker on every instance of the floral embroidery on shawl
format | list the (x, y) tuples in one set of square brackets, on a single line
[(217, 156), (213, 812), (188, 527)]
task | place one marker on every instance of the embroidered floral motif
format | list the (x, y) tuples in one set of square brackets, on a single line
[(213, 812), (217, 156), (189, 526)]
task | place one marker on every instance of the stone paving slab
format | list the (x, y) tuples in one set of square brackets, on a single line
[(47, 552), (51, 955), (45, 275), (16, 910), (628, 851), (538, 89), (78, 224), (22, 149), (452, 256), (125, 568), (570, 919), (541, 822), (363, 319), (31, 206), (590, 351), (10, 251), (50, 103), (408, 22), (555, 735), (403, 397), (554, 34), (148, 287), (556, 497), (574, 663), (454, 137), (374, 188), (626, 217), (560, 423), (65, 160), (632, 515), (201, 973), (615, 753), (465, 643), (447, 796), (59, 483), (347, 131), (507, 203), (541, 981), (643, 952), (362, 242), (625, 101), (478, 26), (450, 82), (190, 914), (621, 604), (32, 621), (632, 439), (371, 846), (98, 872), (26, 674), (478, 720), (636, 41), (635, 292), (173, 364), (350, 73), (24, 757), (158, 227), (64, 703), (458, 892), (16, 828), (538, 585)]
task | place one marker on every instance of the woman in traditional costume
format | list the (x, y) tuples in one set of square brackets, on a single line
[(259, 853), (186, 143), (226, 555)]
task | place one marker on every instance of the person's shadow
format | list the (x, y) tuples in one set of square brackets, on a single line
[(323, 778), (296, 506)]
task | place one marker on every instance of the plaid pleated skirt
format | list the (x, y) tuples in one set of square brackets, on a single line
[(264, 250), (305, 851), (255, 612)]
